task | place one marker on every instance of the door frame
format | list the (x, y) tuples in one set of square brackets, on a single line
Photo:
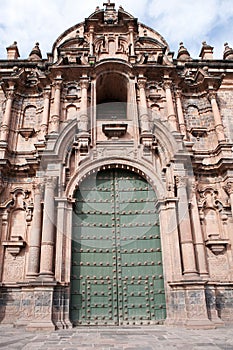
[(116, 176)]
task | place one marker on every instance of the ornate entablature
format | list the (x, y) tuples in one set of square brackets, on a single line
[(137, 140)]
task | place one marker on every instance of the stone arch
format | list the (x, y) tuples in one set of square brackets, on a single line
[(148, 173), (72, 90), (18, 226), (108, 92), (155, 111), (71, 111), (168, 146), (193, 114), (29, 116), (112, 98)]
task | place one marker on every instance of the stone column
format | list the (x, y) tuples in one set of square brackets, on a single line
[(131, 40), (7, 115), (144, 118), (91, 32), (55, 119), (93, 112), (217, 117), (198, 235), (35, 237), (45, 116), (61, 232), (170, 107), (186, 239), (180, 115), (47, 244), (132, 109), (83, 122), (170, 239)]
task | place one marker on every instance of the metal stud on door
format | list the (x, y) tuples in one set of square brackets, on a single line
[(116, 274)]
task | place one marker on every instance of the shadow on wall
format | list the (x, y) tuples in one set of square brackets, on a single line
[(215, 300), (5, 299), (220, 303)]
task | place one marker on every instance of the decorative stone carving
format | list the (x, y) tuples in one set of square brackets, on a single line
[(15, 246), (27, 132), (229, 188), (115, 130), (81, 142), (148, 140), (19, 215), (181, 181), (213, 220), (217, 246)]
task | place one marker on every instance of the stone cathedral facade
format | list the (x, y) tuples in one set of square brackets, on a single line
[(116, 180)]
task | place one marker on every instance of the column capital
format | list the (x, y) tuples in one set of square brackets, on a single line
[(141, 82), (50, 182), (37, 187), (167, 83), (84, 82), (10, 92), (181, 181), (58, 83), (212, 94), (178, 93), (47, 92), (194, 186)]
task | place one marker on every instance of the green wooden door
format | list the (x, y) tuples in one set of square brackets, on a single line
[(116, 272)]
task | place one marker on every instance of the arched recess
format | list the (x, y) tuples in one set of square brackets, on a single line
[(116, 266), (111, 98), (29, 118), (168, 148), (71, 112)]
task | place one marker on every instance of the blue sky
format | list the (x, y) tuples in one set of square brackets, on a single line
[(189, 21)]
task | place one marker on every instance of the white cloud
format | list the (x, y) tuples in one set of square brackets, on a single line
[(192, 22), (29, 21)]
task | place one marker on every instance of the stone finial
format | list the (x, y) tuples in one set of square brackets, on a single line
[(110, 14), (206, 51), (12, 51), (109, 6), (35, 54), (97, 8), (228, 52), (183, 54)]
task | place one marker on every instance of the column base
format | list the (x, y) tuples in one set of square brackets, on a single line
[(46, 277), (191, 323), (199, 324), (218, 322), (191, 277), (32, 276), (40, 326)]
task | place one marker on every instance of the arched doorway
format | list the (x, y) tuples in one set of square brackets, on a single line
[(116, 272)]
